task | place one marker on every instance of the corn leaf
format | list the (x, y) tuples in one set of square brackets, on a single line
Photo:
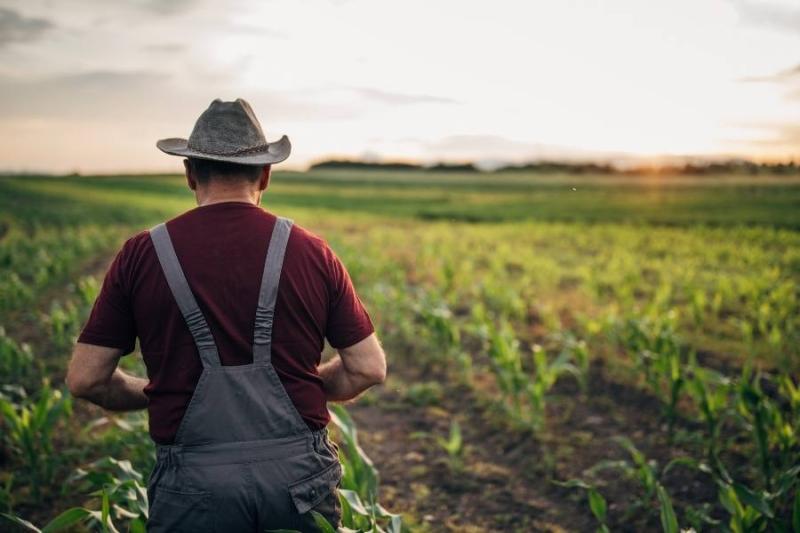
[(669, 522), (66, 519)]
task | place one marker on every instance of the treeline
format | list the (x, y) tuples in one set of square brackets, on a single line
[(352, 164), (742, 167)]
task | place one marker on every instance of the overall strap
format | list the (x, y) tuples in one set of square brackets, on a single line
[(184, 297), (268, 294)]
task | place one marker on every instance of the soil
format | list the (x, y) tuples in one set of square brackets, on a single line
[(505, 483)]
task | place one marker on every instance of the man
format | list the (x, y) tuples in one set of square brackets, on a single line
[(231, 306)]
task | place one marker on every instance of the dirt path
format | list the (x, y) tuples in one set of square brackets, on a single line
[(504, 485)]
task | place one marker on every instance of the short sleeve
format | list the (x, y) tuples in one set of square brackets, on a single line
[(111, 322), (348, 320)]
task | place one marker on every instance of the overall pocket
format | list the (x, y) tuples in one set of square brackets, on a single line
[(180, 511), (319, 493)]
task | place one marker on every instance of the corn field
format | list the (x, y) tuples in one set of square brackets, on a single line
[(547, 371)]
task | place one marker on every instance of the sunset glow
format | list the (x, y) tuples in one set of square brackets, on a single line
[(92, 85)]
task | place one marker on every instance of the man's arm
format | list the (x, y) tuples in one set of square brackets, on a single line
[(93, 375), (353, 370)]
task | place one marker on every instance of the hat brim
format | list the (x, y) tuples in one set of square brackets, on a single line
[(273, 152)]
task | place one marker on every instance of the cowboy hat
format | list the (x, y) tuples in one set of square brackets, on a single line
[(228, 131)]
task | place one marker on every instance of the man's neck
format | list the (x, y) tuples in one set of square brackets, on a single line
[(215, 197)]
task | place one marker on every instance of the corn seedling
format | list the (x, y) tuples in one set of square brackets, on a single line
[(454, 446), (711, 393), (657, 353), (29, 428), (63, 323), (577, 351), (16, 359), (506, 361), (597, 503), (646, 473), (444, 333), (764, 420), (546, 373)]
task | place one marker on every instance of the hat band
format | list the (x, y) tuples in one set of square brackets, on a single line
[(251, 149)]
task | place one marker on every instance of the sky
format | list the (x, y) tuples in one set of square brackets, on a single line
[(90, 85)]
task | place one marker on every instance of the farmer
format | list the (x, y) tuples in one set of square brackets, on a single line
[(231, 305)]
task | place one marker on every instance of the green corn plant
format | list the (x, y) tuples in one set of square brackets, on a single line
[(360, 474), (597, 503), (29, 429), (750, 509), (698, 304), (14, 292), (711, 392), (63, 323), (425, 393), (87, 289), (546, 373), (647, 474), (790, 430), (359, 493), (577, 351), (525, 394), (756, 411), (744, 517), (119, 487), (506, 363), (445, 334), (454, 446), (16, 360), (657, 353), (67, 519), (100, 519)]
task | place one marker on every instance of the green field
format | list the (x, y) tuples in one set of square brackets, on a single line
[(565, 352)]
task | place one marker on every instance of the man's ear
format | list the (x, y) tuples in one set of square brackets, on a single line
[(190, 180), (263, 180)]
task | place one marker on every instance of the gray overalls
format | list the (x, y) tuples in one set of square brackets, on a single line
[(243, 458)]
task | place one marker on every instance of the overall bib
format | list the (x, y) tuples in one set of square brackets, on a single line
[(243, 459)]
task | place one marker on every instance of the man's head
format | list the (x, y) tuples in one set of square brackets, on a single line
[(227, 149), (205, 176)]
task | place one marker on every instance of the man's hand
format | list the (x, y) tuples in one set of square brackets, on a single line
[(354, 369), (93, 375)]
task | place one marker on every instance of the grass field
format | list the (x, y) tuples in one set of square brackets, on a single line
[(565, 352)]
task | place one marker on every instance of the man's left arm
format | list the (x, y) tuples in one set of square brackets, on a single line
[(93, 375)]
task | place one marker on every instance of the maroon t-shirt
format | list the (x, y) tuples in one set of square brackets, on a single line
[(222, 248)]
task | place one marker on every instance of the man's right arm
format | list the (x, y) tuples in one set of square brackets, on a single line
[(353, 370)]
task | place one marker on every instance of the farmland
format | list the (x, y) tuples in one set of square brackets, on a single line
[(565, 352)]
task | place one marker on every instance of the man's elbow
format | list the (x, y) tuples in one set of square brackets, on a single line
[(79, 386), (378, 374)]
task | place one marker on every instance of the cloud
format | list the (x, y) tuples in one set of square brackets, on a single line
[(79, 96), (165, 48), (387, 97), (786, 75), (16, 28), (775, 137), (255, 30), (141, 96), (169, 7), (769, 14), (783, 135)]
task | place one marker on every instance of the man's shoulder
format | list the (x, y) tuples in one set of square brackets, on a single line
[(307, 242), (307, 237), (135, 247)]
